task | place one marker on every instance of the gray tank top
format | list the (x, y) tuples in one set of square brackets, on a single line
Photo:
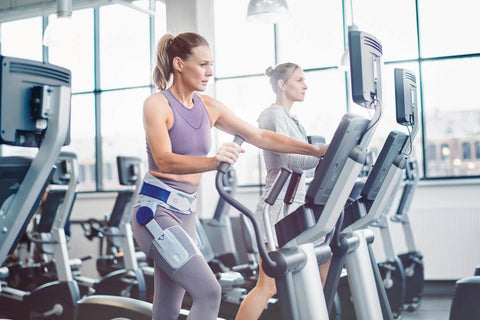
[(190, 132)]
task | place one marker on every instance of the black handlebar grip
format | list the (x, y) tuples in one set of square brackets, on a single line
[(224, 166), (292, 187), (316, 140), (277, 185)]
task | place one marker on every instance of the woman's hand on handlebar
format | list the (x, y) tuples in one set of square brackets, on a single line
[(228, 152), (322, 150)]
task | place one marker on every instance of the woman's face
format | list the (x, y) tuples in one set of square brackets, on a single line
[(295, 86), (197, 69)]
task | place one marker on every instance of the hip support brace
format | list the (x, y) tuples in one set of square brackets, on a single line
[(171, 247)]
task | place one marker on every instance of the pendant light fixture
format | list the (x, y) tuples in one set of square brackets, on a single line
[(267, 11), (59, 29)]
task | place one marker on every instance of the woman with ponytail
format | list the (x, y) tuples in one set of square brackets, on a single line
[(288, 83), (177, 122)]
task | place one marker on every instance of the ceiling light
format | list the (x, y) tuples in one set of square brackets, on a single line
[(59, 30), (267, 11)]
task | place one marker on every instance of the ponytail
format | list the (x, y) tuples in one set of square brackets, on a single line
[(163, 68)]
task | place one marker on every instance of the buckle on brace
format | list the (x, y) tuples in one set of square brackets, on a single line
[(178, 202)]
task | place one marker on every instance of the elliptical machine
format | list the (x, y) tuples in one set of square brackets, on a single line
[(295, 265), (35, 112), (412, 260), (33, 263), (371, 203), (117, 263), (220, 232), (403, 274)]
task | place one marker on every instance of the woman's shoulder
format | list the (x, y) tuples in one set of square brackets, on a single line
[(156, 102), (155, 98), (273, 111), (212, 104), (207, 100)]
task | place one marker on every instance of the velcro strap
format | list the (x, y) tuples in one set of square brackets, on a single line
[(155, 192)]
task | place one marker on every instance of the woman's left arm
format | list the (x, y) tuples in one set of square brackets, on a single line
[(225, 120)]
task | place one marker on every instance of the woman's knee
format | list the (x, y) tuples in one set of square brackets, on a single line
[(213, 291)]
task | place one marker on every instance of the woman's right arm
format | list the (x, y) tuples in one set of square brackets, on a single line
[(277, 122), (158, 118)]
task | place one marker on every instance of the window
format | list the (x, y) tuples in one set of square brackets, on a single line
[(82, 138), (240, 47), (122, 129), (22, 39), (414, 35), (393, 23), (78, 54), (246, 97), (303, 39), (124, 47), (124, 57), (451, 113), (324, 103), (477, 149), (466, 151), (447, 29), (445, 152), (431, 152)]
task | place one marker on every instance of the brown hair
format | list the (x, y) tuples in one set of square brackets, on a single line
[(170, 47), (281, 72)]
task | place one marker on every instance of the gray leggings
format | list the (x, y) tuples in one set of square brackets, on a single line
[(195, 276)]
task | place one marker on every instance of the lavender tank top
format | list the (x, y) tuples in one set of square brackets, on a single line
[(190, 132)]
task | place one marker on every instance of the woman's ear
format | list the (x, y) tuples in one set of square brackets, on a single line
[(281, 84), (177, 64)]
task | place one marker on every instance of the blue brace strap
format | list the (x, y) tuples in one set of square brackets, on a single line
[(173, 198)]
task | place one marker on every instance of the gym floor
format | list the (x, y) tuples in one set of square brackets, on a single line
[(433, 307), (436, 302)]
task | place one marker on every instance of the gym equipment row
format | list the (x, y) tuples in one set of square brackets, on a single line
[(42, 121), (332, 194), (35, 112)]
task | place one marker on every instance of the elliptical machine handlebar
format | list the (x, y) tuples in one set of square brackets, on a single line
[(270, 199), (224, 166), (222, 170), (277, 185), (292, 187)]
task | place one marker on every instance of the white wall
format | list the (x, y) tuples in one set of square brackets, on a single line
[(445, 218)]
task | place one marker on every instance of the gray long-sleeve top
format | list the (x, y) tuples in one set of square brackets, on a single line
[(277, 118)]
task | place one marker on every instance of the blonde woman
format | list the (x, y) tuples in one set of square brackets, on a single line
[(177, 123)]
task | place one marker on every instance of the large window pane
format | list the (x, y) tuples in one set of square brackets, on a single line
[(452, 116), (246, 97), (122, 129), (160, 20), (22, 39), (240, 47), (77, 53), (393, 23), (448, 28), (324, 103), (320, 113), (124, 47), (82, 139), (303, 38)]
